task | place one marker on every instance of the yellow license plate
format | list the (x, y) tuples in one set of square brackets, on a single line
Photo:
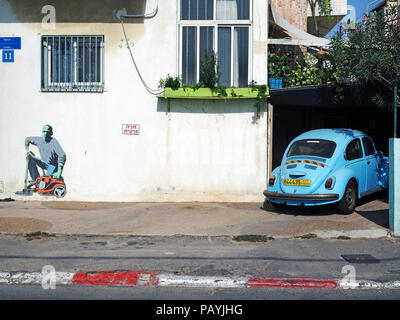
[(297, 182)]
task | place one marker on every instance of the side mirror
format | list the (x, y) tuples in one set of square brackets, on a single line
[(380, 154)]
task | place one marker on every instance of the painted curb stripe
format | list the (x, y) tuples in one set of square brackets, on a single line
[(151, 278), (4, 276), (129, 278), (291, 283), (33, 278), (364, 284), (167, 280)]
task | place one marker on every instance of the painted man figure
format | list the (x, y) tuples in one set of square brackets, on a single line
[(52, 156)]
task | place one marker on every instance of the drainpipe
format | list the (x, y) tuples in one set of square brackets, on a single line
[(123, 14)]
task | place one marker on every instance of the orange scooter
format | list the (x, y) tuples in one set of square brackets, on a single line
[(45, 184)]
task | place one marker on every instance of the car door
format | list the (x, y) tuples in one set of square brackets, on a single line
[(356, 161), (372, 165)]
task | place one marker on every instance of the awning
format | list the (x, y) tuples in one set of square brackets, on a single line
[(302, 38)]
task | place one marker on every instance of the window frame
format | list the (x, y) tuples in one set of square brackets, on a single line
[(215, 24), (361, 149), (74, 85), (333, 144), (372, 144)]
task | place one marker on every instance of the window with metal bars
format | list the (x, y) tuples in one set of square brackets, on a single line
[(72, 63)]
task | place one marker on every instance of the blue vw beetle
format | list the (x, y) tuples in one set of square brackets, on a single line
[(328, 166)]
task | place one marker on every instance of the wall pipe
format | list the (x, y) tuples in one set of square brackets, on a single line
[(123, 14)]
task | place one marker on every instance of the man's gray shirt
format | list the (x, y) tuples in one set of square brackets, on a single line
[(50, 152)]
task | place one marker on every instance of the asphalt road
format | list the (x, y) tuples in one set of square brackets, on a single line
[(208, 256), (28, 292)]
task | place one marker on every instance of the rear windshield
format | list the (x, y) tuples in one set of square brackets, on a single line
[(312, 147)]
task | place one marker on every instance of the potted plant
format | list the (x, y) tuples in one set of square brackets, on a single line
[(277, 68)]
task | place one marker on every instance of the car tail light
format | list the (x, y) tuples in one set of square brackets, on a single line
[(272, 180), (328, 183)]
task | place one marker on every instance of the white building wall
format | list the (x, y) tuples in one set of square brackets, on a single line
[(339, 8), (200, 151)]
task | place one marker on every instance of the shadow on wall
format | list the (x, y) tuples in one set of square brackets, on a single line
[(30, 11), (211, 106)]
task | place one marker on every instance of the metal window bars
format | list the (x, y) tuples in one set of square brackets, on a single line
[(73, 63)]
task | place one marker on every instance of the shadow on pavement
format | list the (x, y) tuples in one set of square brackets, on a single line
[(379, 216), (302, 211)]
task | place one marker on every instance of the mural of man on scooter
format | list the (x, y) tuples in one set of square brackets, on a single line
[(52, 160)]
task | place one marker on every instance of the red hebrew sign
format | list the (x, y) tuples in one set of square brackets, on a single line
[(131, 129)]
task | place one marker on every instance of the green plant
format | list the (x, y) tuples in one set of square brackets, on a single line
[(170, 82), (252, 238), (307, 236), (220, 91), (195, 86), (209, 69), (262, 94), (369, 55), (277, 64), (303, 73)]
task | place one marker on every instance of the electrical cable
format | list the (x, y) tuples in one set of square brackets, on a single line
[(151, 91)]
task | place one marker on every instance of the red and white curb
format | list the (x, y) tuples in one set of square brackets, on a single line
[(152, 278)]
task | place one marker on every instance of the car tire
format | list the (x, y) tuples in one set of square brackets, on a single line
[(349, 200)]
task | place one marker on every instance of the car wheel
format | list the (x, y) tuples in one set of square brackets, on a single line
[(349, 200)]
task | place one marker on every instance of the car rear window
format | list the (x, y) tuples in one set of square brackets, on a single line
[(312, 147)]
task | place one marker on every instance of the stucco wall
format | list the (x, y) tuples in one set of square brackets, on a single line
[(200, 151)]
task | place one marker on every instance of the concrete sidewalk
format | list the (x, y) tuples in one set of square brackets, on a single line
[(370, 220)]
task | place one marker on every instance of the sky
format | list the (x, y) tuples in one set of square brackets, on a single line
[(360, 6)]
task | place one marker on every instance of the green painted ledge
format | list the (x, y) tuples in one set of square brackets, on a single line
[(206, 93)]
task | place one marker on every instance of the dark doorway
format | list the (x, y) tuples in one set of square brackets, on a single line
[(290, 121)]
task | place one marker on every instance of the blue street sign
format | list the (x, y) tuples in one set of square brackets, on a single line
[(13, 43), (8, 56)]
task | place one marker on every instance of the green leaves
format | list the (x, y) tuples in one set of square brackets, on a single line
[(370, 55), (209, 70), (170, 82), (277, 64)]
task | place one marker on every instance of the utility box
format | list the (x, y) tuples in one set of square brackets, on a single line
[(394, 186)]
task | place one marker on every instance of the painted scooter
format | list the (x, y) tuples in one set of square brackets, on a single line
[(45, 184)]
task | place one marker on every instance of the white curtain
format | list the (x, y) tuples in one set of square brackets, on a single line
[(227, 10), (240, 56), (233, 9)]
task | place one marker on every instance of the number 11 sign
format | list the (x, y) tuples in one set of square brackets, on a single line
[(8, 56)]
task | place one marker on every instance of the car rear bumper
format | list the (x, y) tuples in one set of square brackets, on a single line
[(301, 197)]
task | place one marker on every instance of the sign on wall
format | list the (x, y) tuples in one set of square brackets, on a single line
[(131, 129), (10, 43), (8, 56)]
